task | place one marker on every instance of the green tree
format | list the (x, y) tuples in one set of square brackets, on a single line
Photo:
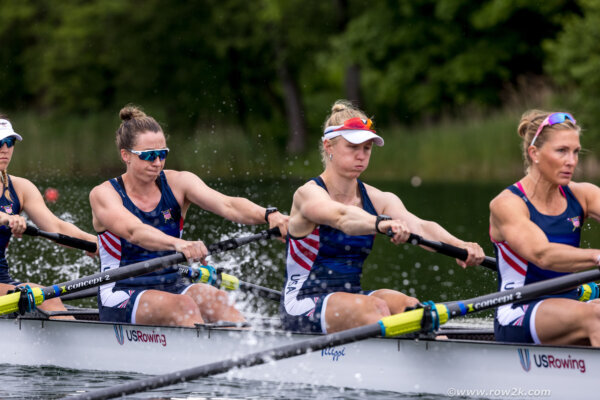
[(574, 63)]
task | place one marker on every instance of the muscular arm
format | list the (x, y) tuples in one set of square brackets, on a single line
[(236, 209), (312, 206), (35, 207), (108, 213), (509, 221), (391, 205)]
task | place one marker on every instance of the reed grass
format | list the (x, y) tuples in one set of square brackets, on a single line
[(475, 149)]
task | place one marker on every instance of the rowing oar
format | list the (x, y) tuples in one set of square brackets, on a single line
[(423, 319), (62, 239), (23, 299), (449, 250), (218, 279)]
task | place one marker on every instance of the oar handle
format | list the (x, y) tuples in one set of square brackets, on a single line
[(222, 280), (449, 250), (62, 239), (234, 243)]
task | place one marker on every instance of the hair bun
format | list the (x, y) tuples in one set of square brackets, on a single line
[(130, 112), (341, 105)]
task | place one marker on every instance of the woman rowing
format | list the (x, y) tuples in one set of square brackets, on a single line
[(20, 194), (333, 222), (535, 225), (139, 216)]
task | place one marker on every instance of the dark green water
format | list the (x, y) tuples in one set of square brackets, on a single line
[(460, 208)]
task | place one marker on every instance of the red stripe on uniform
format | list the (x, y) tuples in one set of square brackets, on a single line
[(511, 262), (307, 253), (111, 240), (108, 249), (298, 259)]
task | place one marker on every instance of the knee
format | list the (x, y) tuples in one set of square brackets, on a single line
[(376, 308), (184, 305), (594, 312)]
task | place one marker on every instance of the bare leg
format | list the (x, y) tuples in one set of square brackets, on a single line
[(156, 307), (4, 288), (396, 301), (214, 304), (564, 321)]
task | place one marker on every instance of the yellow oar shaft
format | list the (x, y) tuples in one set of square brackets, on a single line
[(10, 302)]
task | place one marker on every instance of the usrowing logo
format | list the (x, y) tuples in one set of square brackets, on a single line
[(167, 214), (525, 360), (119, 334), (550, 361), (8, 209)]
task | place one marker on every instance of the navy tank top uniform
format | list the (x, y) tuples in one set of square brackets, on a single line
[(323, 262), (116, 251), (10, 206), (516, 322)]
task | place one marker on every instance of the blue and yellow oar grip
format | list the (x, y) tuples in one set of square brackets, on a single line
[(207, 275), (229, 282), (588, 291), (10, 302), (409, 321)]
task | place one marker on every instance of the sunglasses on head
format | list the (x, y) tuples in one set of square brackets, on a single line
[(9, 141), (150, 155), (552, 119)]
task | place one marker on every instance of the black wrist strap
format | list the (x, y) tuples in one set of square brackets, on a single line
[(379, 219)]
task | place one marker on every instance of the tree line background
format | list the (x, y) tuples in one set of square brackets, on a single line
[(273, 68)]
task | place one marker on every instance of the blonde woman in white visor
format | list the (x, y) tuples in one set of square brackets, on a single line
[(333, 222), (20, 194)]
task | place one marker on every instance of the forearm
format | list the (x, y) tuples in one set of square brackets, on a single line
[(434, 231), (150, 238), (243, 211), (564, 258), (355, 221), (69, 229)]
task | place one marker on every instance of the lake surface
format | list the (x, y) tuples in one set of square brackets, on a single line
[(461, 208)]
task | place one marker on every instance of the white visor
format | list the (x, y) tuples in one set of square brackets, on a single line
[(6, 130), (356, 136)]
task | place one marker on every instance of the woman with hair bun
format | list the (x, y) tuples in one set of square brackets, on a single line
[(333, 222), (139, 216), (535, 225), (21, 195)]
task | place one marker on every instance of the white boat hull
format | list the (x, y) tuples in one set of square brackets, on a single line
[(444, 367)]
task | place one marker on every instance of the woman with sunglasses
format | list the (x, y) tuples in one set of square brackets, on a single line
[(19, 194), (139, 216), (535, 225), (333, 223)]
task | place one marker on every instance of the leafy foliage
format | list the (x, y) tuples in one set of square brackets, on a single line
[(196, 64)]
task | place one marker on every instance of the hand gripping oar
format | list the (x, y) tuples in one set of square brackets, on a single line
[(586, 292), (25, 299), (449, 250), (62, 239), (423, 319)]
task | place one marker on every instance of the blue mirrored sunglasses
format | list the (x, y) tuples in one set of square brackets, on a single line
[(9, 141), (150, 155)]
